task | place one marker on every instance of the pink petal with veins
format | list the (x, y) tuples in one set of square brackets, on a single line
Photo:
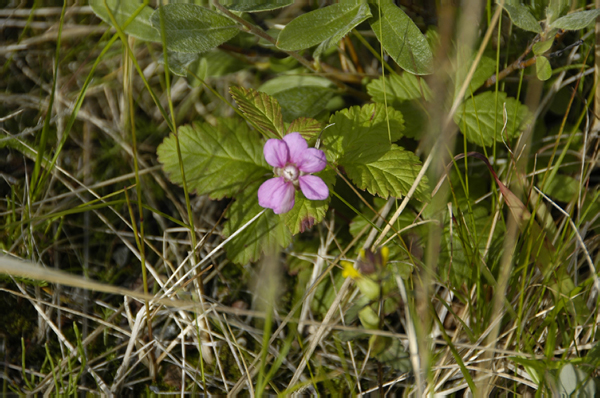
[(312, 160), (276, 153), (297, 145), (313, 187), (277, 194)]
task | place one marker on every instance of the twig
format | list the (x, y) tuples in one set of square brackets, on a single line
[(521, 64)]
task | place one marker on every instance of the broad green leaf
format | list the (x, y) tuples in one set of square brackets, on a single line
[(485, 69), (543, 68), (575, 21), (479, 122), (415, 118), (255, 5), (358, 128), (261, 109), (562, 188), (122, 10), (555, 9), (289, 81), (192, 28), (218, 161), (398, 88), (179, 62), (520, 16), (307, 101), (390, 352), (401, 38), (328, 24), (541, 47), (352, 19), (267, 233), (574, 382), (305, 212), (200, 66), (307, 127), (384, 171)]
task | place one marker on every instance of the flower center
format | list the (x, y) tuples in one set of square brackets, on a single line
[(290, 172)]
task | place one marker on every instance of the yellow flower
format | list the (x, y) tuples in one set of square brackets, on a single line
[(349, 271)]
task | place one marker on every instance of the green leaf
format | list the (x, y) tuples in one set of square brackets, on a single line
[(192, 28), (352, 19), (543, 68), (261, 109), (401, 38), (384, 171), (398, 88), (305, 212), (485, 69), (574, 382), (267, 233), (307, 127), (122, 10), (562, 188), (479, 122), (555, 9), (179, 62), (200, 66), (328, 24), (541, 47), (255, 5), (305, 101), (357, 128), (520, 16), (575, 21), (218, 161), (415, 118), (390, 352), (289, 81)]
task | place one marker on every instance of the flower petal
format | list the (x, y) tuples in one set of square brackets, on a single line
[(296, 144), (277, 194), (313, 187), (276, 153), (312, 160)]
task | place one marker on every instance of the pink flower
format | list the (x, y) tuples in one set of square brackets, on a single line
[(293, 161)]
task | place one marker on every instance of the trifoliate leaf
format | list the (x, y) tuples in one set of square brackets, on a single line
[(191, 28), (520, 16), (401, 38), (307, 127), (398, 88), (260, 108), (479, 122), (218, 161), (543, 69), (267, 233), (384, 170), (307, 213), (576, 21), (359, 128), (122, 10), (328, 24)]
